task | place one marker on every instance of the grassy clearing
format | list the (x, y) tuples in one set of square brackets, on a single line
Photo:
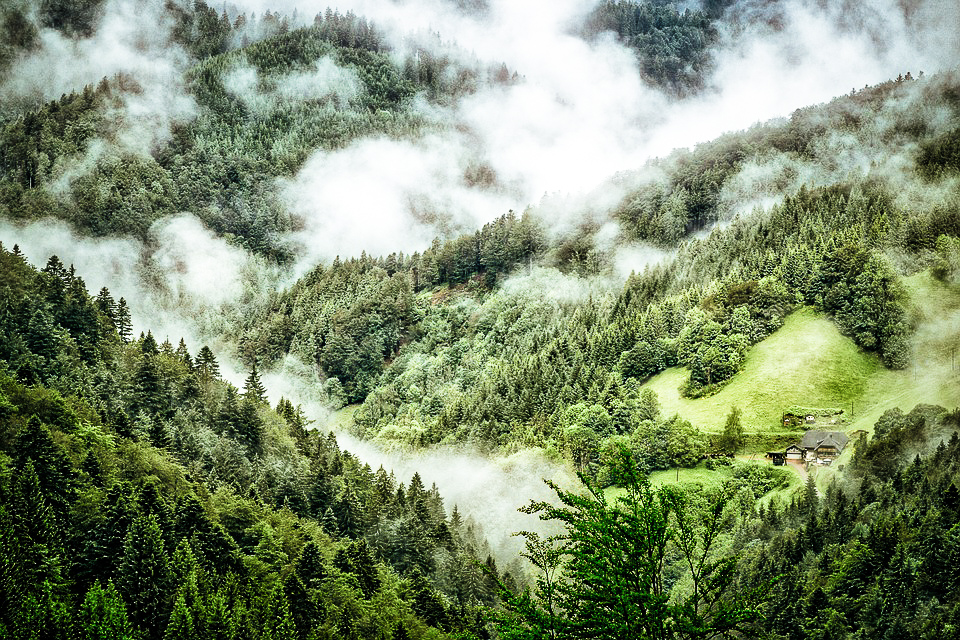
[(701, 478), (809, 363)]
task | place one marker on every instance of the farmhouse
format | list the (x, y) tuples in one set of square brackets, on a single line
[(822, 446)]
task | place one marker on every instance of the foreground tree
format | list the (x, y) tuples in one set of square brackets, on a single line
[(603, 577)]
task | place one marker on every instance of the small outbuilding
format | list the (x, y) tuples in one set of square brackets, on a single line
[(793, 452)]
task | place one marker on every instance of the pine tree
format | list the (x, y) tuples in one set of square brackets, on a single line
[(104, 549), (310, 566), (253, 388), (122, 321), (206, 364), (151, 396), (181, 625), (103, 615), (303, 609), (228, 415), (53, 469), (148, 346), (358, 560), (278, 624), (183, 354), (248, 427), (44, 616), (37, 540), (144, 578), (106, 305), (150, 502), (41, 335)]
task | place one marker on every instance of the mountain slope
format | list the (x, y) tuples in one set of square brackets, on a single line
[(809, 363)]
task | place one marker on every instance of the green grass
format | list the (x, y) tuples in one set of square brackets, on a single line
[(700, 477), (809, 363)]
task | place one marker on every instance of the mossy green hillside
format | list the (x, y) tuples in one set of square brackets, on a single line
[(808, 362)]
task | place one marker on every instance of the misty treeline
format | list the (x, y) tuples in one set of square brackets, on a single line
[(672, 46), (351, 316), (512, 368), (143, 496), (249, 129), (695, 189), (222, 164), (515, 369), (466, 360)]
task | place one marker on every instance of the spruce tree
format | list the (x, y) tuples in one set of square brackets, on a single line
[(310, 566), (148, 346), (181, 625), (278, 623), (106, 305), (144, 578), (303, 609), (253, 388), (122, 321), (151, 396), (103, 615), (53, 469), (44, 616), (206, 364), (183, 354)]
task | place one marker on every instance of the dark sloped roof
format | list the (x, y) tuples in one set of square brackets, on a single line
[(815, 439)]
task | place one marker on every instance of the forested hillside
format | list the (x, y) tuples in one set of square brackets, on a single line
[(646, 244), (509, 367), (141, 496)]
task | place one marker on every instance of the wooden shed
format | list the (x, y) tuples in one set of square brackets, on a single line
[(794, 452)]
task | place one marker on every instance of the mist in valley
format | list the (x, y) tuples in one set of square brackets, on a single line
[(577, 114)]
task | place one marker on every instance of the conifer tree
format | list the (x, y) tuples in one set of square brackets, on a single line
[(106, 305), (248, 427), (303, 609), (53, 469), (122, 321), (310, 566), (206, 363), (37, 536), (278, 624), (103, 615), (150, 502), (148, 346), (253, 388), (144, 578), (44, 616), (149, 387), (183, 354), (181, 625)]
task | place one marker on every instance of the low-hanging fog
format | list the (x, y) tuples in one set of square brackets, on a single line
[(578, 114)]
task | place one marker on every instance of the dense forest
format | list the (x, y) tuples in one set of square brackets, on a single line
[(144, 495)]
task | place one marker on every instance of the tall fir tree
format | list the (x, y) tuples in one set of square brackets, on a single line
[(123, 321), (103, 615), (144, 578), (253, 388)]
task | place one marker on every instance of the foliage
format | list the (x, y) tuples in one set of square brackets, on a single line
[(606, 574), (140, 486), (672, 47)]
